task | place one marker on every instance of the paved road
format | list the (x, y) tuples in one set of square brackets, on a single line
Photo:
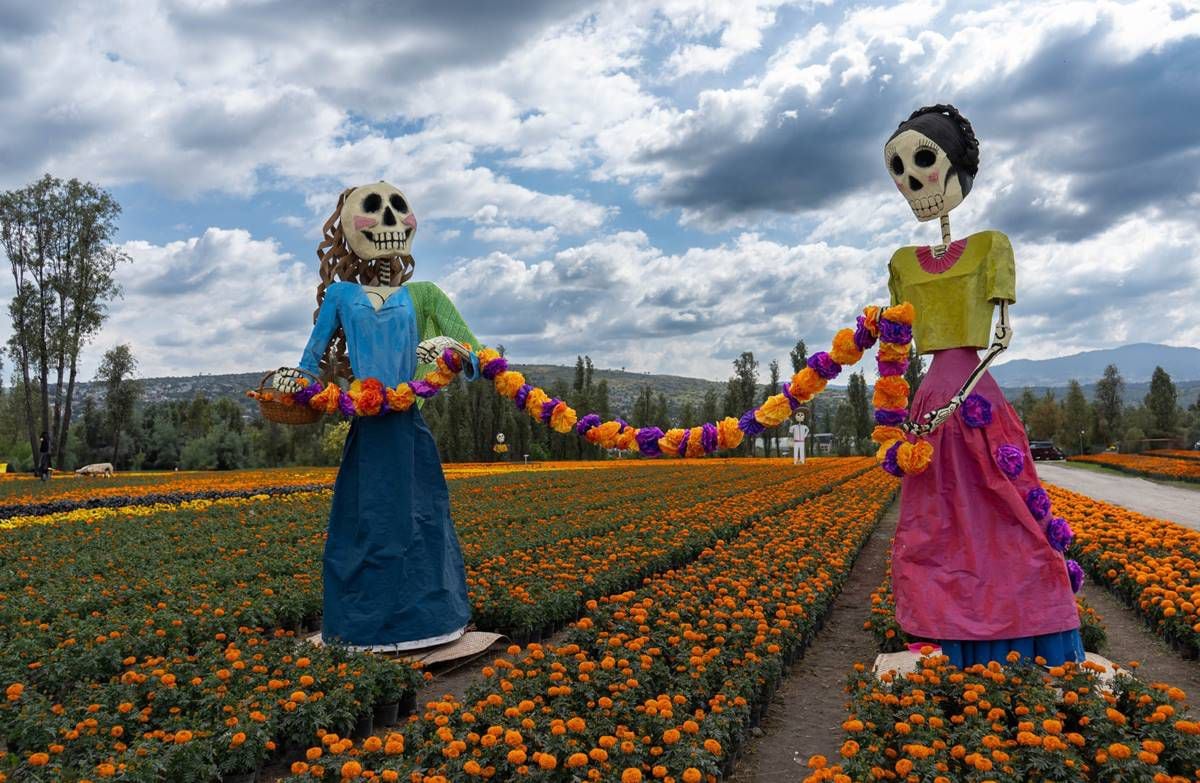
[(1177, 504)]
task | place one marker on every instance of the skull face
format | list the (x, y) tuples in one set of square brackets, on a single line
[(378, 222), (499, 437), (923, 174)]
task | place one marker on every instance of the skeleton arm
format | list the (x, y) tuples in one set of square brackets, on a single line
[(1001, 338), (287, 380)]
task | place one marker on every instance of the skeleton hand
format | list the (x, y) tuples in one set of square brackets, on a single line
[(287, 380), (429, 350), (934, 419)]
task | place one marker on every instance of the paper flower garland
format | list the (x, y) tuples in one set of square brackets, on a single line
[(892, 327)]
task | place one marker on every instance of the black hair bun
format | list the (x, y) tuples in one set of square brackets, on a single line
[(969, 161)]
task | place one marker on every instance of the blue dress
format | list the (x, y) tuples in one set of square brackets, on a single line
[(393, 569)]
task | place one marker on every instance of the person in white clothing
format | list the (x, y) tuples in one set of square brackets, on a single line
[(799, 434)]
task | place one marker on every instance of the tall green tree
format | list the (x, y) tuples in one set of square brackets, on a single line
[(745, 384), (915, 372), (1163, 403), (120, 392), (1045, 420), (57, 236), (860, 406), (799, 356), (1110, 404), (772, 388), (1076, 418)]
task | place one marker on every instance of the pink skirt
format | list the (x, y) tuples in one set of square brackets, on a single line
[(969, 561)]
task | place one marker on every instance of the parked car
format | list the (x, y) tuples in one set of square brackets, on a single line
[(1044, 449)]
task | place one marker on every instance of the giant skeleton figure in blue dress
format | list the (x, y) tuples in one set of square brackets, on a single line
[(393, 570)]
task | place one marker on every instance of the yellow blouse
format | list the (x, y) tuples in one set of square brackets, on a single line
[(955, 307)]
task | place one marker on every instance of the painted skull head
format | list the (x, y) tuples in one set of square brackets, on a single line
[(924, 174), (378, 222)]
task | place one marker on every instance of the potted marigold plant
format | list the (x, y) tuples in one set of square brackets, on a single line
[(241, 752)]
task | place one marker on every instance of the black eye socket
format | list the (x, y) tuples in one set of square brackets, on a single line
[(373, 202), (897, 164), (398, 203), (925, 158)]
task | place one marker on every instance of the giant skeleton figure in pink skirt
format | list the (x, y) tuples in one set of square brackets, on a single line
[(977, 562)]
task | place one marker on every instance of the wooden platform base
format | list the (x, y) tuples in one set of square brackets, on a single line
[(907, 661), (443, 657)]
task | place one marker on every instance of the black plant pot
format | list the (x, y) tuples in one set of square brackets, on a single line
[(240, 777), (364, 727), (387, 714)]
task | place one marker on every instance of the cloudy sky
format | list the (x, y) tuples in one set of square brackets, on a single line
[(661, 185)]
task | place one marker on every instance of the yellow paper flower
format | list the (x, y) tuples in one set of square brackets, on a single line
[(773, 412), (728, 434), (695, 446), (401, 398), (627, 439), (871, 319), (891, 392), (914, 458), (487, 355), (534, 402), (563, 418), (881, 452), (508, 383), (845, 351), (327, 399), (893, 352), (882, 434), (604, 435), (903, 313), (669, 442)]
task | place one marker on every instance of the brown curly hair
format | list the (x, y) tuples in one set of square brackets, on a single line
[(338, 262)]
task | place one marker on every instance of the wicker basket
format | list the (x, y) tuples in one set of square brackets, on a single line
[(280, 412)]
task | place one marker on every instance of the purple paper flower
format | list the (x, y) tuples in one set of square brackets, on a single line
[(1038, 502), (976, 411), (1059, 534), (522, 395), (889, 461), (452, 361), (548, 409), (890, 417), (647, 440), (891, 368), (1011, 459), (423, 389), (786, 390), (345, 404), (494, 367), (895, 333), (305, 395), (824, 365), (862, 335), (587, 422), (684, 441), (1075, 572), (750, 425), (708, 438)]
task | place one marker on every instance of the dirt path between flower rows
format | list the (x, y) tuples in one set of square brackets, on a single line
[(1178, 504), (806, 714)]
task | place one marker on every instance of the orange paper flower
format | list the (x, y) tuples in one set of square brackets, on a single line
[(401, 398), (845, 350), (772, 412), (563, 418), (891, 392), (806, 384), (882, 434), (508, 383), (903, 313), (728, 434)]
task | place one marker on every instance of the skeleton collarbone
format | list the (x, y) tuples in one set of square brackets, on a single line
[(379, 294)]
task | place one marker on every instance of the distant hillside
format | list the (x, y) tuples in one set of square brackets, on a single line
[(1136, 362)]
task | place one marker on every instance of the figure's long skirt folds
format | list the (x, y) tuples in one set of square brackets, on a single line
[(393, 567), (971, 567)]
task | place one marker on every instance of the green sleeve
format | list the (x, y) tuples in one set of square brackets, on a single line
[(894, 287), (436, 317), (1001, 270)]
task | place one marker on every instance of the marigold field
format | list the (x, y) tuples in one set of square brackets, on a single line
[(1171, 466), (155, 637), (153, 631)]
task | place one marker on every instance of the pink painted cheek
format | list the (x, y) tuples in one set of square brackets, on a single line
[(361, 222), (934, 176)]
